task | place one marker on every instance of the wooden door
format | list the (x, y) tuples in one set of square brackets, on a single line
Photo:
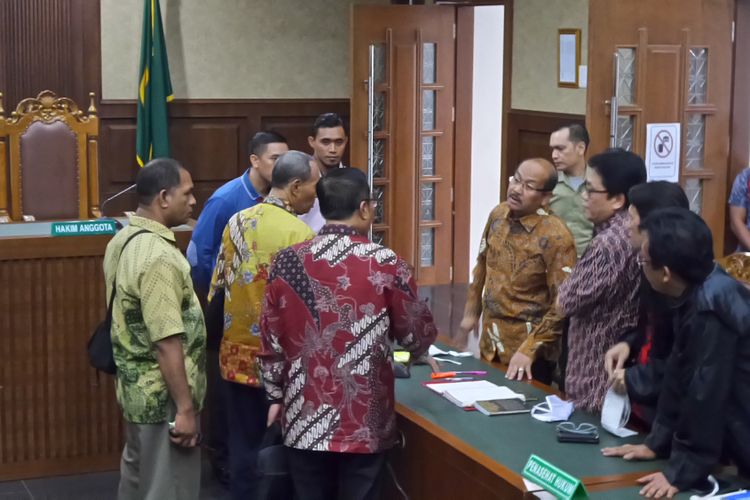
[(675, 59), (413, 61)]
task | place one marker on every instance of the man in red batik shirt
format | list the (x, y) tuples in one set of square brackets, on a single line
[(333, 306)]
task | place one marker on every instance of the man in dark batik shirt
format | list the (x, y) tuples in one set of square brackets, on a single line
[(333, 306), (601, 295)]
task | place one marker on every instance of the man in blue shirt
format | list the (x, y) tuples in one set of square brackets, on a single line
[(739, 210), (238, 194)]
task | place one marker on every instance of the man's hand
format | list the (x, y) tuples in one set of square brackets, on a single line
[(657, 486), (520, 365), (185, 432), (617, 379), (467, 325), (630, 452), (274, 414), (616, 357)]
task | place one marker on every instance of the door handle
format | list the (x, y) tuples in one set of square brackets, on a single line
[(370, 119), (613, 104)]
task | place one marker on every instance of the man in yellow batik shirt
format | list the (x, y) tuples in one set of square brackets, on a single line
[(525, 254), (250, 241)]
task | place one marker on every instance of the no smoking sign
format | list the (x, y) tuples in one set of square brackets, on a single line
[(663, 151)]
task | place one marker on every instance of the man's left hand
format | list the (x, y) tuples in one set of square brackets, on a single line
[(630, 452), (520, 365), (657, 486)]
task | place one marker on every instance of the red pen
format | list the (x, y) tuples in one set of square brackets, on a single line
[(453, 379), (457, 374)]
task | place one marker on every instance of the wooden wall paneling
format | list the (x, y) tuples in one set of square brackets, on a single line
[(56, 415), (529, 131), (463, 472), (208, 136), (210, 149), (50, 45)]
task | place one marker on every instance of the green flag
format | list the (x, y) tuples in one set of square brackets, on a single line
[(154, 89)]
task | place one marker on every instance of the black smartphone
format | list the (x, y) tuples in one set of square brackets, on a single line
[(564, 436)]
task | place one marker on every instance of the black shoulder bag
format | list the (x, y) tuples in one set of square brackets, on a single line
[(99, 347)]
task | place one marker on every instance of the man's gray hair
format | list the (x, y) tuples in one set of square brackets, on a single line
[(291, 165)]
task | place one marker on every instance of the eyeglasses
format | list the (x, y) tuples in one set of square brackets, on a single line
[(587, 187), (513, 179), (372, 201)]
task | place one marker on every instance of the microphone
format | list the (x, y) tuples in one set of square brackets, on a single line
[(118, 224)]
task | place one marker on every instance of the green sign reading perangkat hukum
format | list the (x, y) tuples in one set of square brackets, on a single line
[(556, 481), (83, 227)]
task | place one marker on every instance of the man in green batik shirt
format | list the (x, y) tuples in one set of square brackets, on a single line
[(569, 145), (159, 341)]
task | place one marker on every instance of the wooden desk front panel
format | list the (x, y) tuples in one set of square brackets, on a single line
[(429, 468), (56, 415)]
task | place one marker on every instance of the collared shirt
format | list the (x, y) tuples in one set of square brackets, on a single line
[(601, 298), (250, 240), (237, 194), (568, 205), (520, 267), (154, 300), (740, 197), (333, 306), (314, 218)]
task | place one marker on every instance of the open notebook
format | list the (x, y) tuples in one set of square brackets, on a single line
[(465, 394)]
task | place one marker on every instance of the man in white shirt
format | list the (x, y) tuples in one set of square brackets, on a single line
[(328, 142)]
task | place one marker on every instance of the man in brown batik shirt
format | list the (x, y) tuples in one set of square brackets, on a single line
[(525, 254)]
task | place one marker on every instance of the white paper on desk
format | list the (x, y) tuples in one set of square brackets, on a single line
[(538, 490), (465, 394), (436, 351), (441, 387), (615, 414)]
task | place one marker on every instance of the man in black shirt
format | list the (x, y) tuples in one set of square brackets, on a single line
[(704, 408)]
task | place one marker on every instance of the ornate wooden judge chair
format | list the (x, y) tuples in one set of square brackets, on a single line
[(49, 160), (737, 265)]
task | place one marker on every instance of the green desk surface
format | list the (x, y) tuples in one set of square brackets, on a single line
[(626, 493), (631, 492), (509, 440)]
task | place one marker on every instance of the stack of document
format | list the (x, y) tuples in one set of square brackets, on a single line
[(465, 394)]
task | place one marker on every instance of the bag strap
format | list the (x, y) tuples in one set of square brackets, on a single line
[(117, 267)]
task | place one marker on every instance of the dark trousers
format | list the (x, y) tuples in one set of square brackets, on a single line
[(247, 410), (324, 475), (562, 362), (214, 416), (543, 370)]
